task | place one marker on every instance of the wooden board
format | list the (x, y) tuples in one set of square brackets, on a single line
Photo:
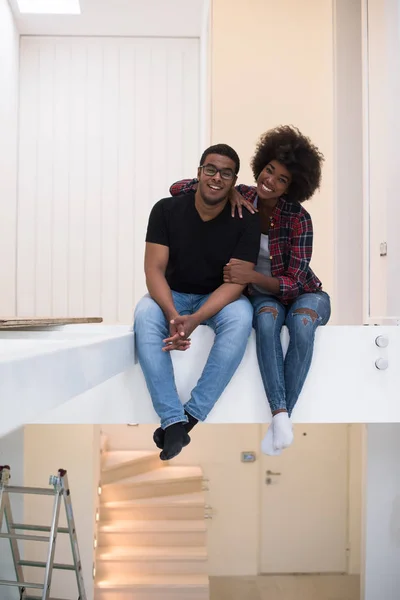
[(23, 322)]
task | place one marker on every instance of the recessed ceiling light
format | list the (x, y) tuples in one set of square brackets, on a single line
[(49, 7)]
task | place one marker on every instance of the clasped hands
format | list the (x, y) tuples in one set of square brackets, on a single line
[(182, 326), (180, 329)]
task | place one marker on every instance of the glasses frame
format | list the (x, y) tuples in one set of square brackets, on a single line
[(219, 171)]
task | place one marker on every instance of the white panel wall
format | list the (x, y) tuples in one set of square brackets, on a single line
[(348, 173), (383, 22), (9, 58), (106, 124)]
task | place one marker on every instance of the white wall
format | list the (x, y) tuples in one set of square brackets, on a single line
[(384, 130), (278, 70), (106, 124), (356, 491), (348, 162), (34, 453), (382, 513), (9, 59), (76, 449)]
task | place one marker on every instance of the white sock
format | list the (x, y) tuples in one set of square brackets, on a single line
[(283, 431), (267, 445)]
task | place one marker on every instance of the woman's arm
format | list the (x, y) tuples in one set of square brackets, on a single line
[(241, 195), (184, 186), (243, 274), (292, 281), (290, 284)]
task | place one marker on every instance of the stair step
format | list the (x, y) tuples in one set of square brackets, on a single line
[(184, 506), (152, 594), (119, 457), (163, 474), (154, 587), (145, 553), (150, 526), (158, 482), (194, 499), (143, 560), (156, 582), (152, 533), (121, 464)]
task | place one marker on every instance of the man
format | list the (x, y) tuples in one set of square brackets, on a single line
[(189, 241)]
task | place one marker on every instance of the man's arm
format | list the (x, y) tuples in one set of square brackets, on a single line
[(221, 297), (156, 259), (237, 271), (155, 264), (245, 253), (225, 294)]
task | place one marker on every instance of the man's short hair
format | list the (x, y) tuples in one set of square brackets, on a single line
[(223, 150)]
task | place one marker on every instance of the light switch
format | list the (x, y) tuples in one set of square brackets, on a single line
[(248, 457)]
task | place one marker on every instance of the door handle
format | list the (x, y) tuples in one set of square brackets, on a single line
[(272, 473)]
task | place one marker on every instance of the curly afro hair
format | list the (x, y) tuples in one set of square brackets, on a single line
[(303, 160)]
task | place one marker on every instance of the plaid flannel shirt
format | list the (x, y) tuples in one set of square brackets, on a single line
[(290, 243)]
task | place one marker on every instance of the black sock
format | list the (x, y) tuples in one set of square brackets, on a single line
[(191, 422), (159, 433), (175, 438)]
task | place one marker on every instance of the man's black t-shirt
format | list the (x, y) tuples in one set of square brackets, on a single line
[(199, 250)]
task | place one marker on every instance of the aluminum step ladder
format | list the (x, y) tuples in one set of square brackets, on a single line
[(60, 491)]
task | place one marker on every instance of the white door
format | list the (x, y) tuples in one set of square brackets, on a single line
[(304, 503)]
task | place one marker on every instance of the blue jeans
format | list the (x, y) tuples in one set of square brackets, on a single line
[(232, 326), (283, 379)]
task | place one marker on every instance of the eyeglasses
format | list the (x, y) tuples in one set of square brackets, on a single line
[(211, 170)]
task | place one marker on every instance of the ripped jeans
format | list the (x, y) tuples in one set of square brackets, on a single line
[(283, 379)]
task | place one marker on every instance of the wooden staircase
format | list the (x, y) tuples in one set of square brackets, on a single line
[(152, 535)]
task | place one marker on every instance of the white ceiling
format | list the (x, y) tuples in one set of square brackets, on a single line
[(119, 18)]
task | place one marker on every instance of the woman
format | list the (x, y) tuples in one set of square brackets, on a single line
[(282, 289)]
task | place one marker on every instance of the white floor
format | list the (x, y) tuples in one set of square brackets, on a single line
[(286, 587)]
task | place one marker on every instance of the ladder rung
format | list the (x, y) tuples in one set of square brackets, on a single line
[(13, 489), (43, 565), (20, 536), (23, 527), (22, 584)]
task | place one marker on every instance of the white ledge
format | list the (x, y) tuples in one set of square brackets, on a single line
[(41, 370), (343, 386)]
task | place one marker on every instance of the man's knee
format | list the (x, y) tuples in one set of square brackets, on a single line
[(240, 314), (147, 313), (244, 312)]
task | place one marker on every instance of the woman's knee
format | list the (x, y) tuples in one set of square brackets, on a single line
[(267, 318), (302, 323)]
